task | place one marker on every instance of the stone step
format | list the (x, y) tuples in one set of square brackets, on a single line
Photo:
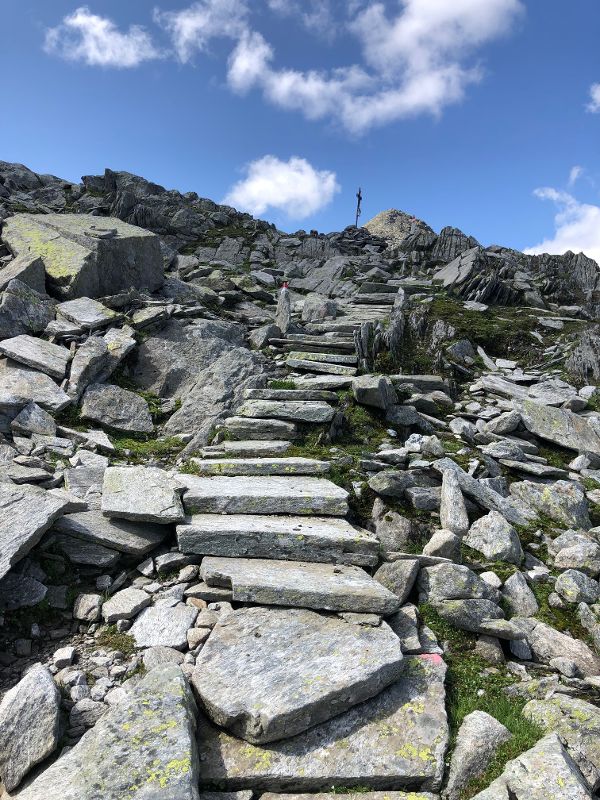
[(309, 342), (324, 382), (260, 466), (263, 495), (325, 358), (299, 584), (377, 288), (318, 366), (333, 338), (375, 299), (302, 411), (290, 394), (250, 449), (319, 539), (263, 429), (326, 347)]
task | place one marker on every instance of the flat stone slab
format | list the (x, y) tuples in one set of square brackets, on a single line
[(262, 495), (116, 408), (145, 494), (560, 426), (92, 527), (269, 674), (79, 551), (296, 411), (395, 740), (20, 385), (88, 256), (323, 382), (319, 539), (164, 625), (325, 358), (299, 584), (290, 394), (125, 604), (142, 749), (87, 314), (26, 513), (320, 366), (250, 449), (260, 466), (269, 429), (37, 353)]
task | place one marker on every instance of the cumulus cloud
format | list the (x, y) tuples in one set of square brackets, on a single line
[(294, 187), (594, 104), (95, 40), (191, 29), (574, 175), (577, 226)]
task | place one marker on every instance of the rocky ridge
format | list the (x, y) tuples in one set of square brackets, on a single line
[(340, 536)]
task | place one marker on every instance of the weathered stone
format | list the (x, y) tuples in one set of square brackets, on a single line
[(397, 738), (33, 419), (26, 513), (163, 625), (289, 678), (308, 411), (300, 584), (97, 358), (28, 270), (38, 354), (157, 656), (576, 587), (548, 643), (87, 607), (443, 544), (374, 390), (493, 536), (116, 408), (391, 483), (473, 615), (288, 538), (452, 582), (126, 537), (260, 466), (263, 495), (20, 591), (21, 385), (519, 597), (562, 501), (247, 428), (318, 307), (146, 494), (29, 724), (546, 772), (560, 426), (392, 529), (307, 365), (87, 255), (142, 748), (24, 310), (125, 604), (478, 738), (453, 512), (399, 577)]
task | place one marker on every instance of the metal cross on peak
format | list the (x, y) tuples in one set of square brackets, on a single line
[(359, 198)]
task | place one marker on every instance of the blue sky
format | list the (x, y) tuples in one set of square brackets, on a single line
[(483, 114)]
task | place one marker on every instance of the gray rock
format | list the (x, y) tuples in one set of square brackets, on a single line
[(125, 604), (399, 577), (86, 314), (20, 385), (317, 307), (146, 494), (26, 513), (283, 312), (263, 495), (259, 466), (87, 256), (20, 591), (126, 537), (157, 656), (289, 538), (493, 536), (479, 737), (29, 724), (116, 408), (392, 529), (97, 358), (64, 657), (504, 423), (473, 615), (397, 738), (576, 587), (374, 390), (37, 353), (87, 607), (28, 270), (548, 643), (443, 544), (309, 412), (560, 426), (519, 597), (245, 428), (562, 501), (260, 337), (142, 748), (164, 625), (23, 310), (299, 671), (391, 483), (546, 772), (453, 582), (453, 512), (33, 419), (300, 584)]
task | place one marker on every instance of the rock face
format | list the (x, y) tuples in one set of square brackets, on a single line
[(87, 257), (29, 725), (398, 738), (143, 748), (270, 674)]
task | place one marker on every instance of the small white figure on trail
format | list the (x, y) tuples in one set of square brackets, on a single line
[(283, 315)]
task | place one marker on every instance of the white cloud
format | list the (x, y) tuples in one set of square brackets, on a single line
[(594, 104), (95, 40), (577, 226), (294, 187), (316, 15), (192, 28), (415, 63), (574, 175)]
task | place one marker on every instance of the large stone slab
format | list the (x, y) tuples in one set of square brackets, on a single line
[(318, 366), (358, 795), (142, 749), (318, 539), (164, 625), (260, 466), (263, 495), (37, 353), (560, 426), (295, 411), (29, 724), (26, 513), (268, 429), (20, 385), (87, 256), (299, 584), (116, 408), (92, 527), (268, 674), (396, 740), (144, 494)]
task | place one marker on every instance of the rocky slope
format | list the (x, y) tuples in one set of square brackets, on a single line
[(339, 537)]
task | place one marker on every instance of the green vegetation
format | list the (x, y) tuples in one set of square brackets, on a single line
[(563, 619), (278, 384), (556, 456), (70, 417), (137, 450), (110, 638), (472, 685)]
